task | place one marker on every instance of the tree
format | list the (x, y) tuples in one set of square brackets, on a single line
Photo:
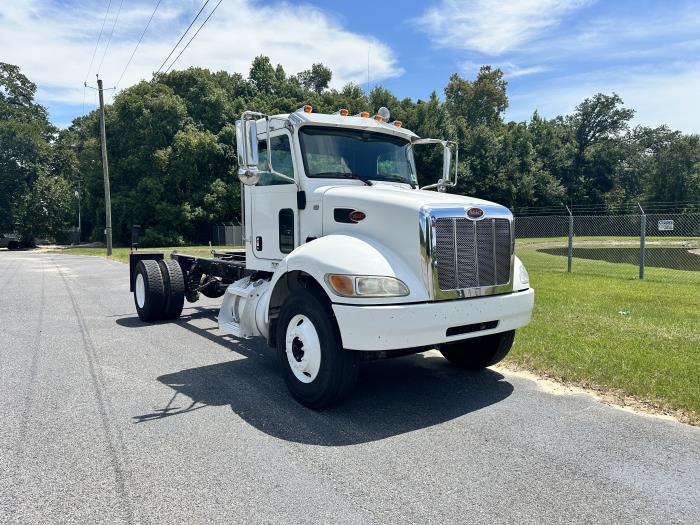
[(46, 209), (478, 102), (25, 152), (315, 79), (173, 162), (599, 118)]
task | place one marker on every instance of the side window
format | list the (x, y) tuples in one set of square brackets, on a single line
[(286, 230), (281, 161)]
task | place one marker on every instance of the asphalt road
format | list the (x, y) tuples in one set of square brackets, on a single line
[(104, 419)]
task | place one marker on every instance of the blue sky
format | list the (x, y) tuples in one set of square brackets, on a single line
[(554, 52)]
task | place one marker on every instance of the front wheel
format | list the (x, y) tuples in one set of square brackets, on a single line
[(317, 370), (478, 352)]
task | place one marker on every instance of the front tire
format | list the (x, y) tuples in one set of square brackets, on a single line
[(478, 352), (317, 370), (149, 291)]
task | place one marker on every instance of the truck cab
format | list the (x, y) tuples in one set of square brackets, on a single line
[(347, 259)]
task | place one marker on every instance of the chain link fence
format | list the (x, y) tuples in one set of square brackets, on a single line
[(654, 246)]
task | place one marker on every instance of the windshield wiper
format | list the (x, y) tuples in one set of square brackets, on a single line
[(342, 175), (396, 178)]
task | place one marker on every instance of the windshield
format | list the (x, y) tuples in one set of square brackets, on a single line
[(348, 153)]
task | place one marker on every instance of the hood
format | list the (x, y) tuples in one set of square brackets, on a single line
[(396, 196), (393, 217)]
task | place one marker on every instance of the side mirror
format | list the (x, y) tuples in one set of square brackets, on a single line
[(247, 149), (446, 163), (446, 181)]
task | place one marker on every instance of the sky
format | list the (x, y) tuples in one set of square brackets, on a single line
[(554, 53)]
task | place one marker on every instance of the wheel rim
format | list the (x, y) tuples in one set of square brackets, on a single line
[(140, 290), (303, 348)]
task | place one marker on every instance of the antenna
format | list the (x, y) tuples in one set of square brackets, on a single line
[(368, 50)]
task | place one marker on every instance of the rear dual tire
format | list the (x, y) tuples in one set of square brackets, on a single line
[(159, 290)]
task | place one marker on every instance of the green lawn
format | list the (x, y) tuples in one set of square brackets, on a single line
[(601, 326), (122, 254)]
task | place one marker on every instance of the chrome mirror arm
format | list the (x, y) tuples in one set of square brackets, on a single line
[(441, 184)]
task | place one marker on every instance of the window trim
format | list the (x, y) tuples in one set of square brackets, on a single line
[(302, 147), (281, 133)]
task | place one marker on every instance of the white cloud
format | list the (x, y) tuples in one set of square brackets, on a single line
[(53, 43), (493, 27), (658, 95), (510, 70)]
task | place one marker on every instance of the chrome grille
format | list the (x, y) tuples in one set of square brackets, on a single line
[(471, 254)]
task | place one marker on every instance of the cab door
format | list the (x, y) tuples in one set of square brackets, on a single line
[(274, 210)]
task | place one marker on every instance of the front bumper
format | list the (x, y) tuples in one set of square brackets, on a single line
[(399, 326)]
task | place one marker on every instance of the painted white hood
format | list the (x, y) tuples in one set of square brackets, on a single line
[(392, 222)]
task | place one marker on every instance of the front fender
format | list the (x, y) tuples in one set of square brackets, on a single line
[(352, 255)]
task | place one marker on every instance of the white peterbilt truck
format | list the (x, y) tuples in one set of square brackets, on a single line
[(346, 258)]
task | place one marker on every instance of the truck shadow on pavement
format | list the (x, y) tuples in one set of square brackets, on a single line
[(393, 396)]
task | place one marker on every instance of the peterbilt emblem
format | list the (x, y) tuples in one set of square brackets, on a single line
[(475, 213)]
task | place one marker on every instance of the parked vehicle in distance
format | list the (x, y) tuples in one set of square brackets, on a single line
[(9, 241), (346, 258)]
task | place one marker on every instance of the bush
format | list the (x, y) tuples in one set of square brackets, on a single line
[(153, 238)]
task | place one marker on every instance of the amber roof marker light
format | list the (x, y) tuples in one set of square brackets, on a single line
[(308, 108)]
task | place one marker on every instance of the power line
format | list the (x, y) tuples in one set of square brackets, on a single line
[(193, 36), (138, 43), (183, 36), (99, 37), (99, 68), (94, 51)]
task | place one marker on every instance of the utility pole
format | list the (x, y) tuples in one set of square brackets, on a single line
[(80, 226), (105, 170)]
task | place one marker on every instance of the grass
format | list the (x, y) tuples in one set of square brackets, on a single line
[(122, 254), (602, 327), (599, 327)]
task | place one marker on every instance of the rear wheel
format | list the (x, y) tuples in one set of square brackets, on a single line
[(174, 283), (317, 370), (149, 291), (13, 245), (478, 352)]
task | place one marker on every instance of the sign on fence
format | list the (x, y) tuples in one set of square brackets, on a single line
[(666, 225)]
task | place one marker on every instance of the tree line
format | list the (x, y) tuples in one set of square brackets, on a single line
[(171, 150)]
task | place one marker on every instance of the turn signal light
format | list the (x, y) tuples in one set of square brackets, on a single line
[(364, 114), (308, 109), (343, 112), (343, 284)]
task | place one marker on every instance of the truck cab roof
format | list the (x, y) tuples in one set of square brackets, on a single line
[(301, 118)]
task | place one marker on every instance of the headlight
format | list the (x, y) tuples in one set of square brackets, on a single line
[(366, 286), (524, 277)]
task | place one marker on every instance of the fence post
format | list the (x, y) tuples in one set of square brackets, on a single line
[(642, 241), (571, 240)]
